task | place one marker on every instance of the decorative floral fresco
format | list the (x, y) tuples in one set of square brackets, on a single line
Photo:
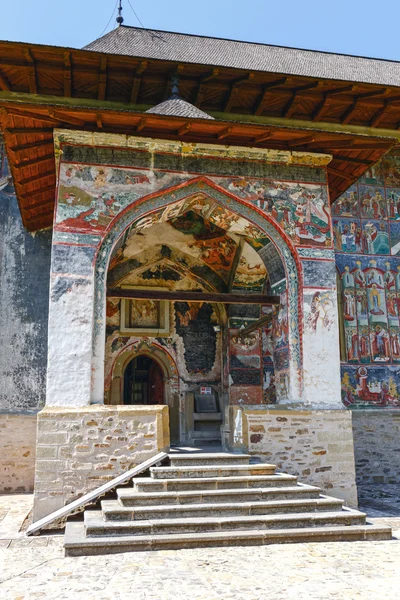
[(366, 228)]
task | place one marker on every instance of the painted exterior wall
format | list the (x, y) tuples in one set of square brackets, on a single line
[(106, 192), (24, 300), (366, 226)]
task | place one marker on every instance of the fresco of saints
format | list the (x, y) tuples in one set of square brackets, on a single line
[(380, 344), (390, 283), (364, 346), (395, 344), (349, 306), (359, 276), (347, 278), (375, 301), (352, 345)]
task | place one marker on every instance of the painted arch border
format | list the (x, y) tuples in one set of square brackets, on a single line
[(152, 203)]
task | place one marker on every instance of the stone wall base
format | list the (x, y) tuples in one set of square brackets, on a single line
[(17, 453), (80, 448), (317, 446), (377, 445)]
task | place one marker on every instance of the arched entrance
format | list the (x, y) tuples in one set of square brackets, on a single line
[(202, 239), (143, 381)]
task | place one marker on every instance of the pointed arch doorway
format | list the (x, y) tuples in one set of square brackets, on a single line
[(143, 381)]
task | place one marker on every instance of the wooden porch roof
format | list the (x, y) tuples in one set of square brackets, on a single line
[(43, 87)]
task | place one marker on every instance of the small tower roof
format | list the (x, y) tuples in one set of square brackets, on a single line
[(176, 107)]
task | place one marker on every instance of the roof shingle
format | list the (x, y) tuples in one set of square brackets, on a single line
[(146, 43)]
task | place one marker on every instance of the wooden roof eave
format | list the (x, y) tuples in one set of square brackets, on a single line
[(29, 143), (66, 72)]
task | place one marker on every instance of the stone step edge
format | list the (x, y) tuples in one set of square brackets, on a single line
[(202, 480), (207, 455), (75, 538), (113, 506), (94, 520), (203, 471), (297, 489)]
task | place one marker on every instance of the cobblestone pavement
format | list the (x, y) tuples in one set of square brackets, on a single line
[(35, 568)]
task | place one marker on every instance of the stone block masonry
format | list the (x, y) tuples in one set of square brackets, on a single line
[(81, 448), (17, 452), (317, 446), (377, 445)]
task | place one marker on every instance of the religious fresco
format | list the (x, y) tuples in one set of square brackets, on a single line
[(300, 209), (372, 387), (91, 196), (347, 204), (179, 231), (347, 235), (372, 202)]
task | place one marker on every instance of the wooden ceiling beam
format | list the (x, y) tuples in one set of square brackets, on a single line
[(263, 137), (291, 105), (151, 294), (338, 173), (102, 87), (31, 71), (224, 133), (137, 80), (42, 203), (67, 75), (42, 190), (327, 96), (29, 130), (266, 91), (201, 91), (31, 146), (29, 114), (351, 159), (35, 178), (349, 113), (67, 118), (99, 120), (141, 125), (184, 129), (34, 161), (235, 90), (308, 139), (4, 83)]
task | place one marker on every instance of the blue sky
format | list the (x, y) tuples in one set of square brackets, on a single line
[(359, 27)]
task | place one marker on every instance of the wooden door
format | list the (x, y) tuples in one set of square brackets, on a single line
[(156, 385)]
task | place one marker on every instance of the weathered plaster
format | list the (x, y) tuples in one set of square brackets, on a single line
[(24, 286)]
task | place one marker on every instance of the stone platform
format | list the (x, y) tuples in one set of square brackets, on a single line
[(35, 568)]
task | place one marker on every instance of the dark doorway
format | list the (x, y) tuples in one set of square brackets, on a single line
[(143, 382)]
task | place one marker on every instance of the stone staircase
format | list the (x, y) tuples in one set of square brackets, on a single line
[(214, 499)]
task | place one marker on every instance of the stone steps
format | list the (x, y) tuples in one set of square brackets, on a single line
[(77, 544), (211, 471), (112, 509), (95, 525), (197, 459), (128, 497), (214, 499), (147, 484)]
